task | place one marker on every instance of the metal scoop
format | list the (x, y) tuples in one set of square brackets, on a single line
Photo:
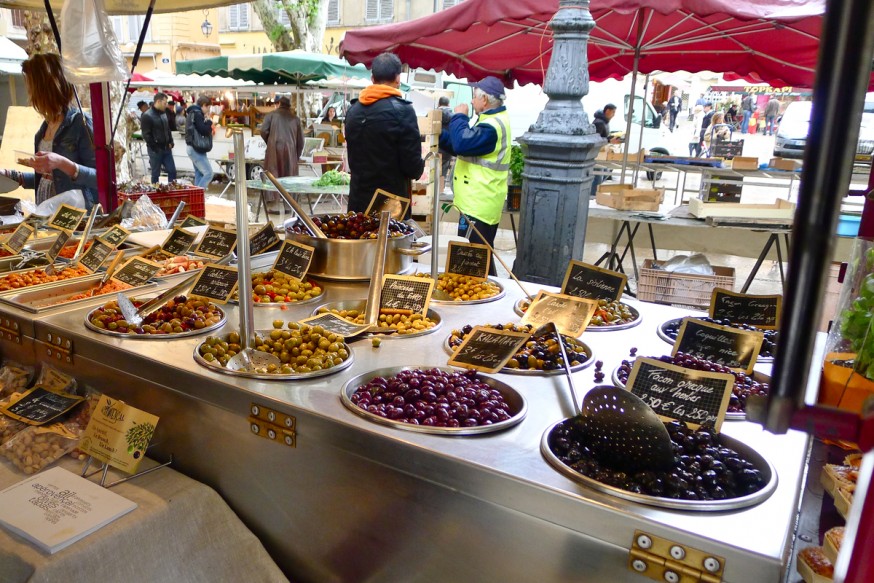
[(172, 220), (311, 226)]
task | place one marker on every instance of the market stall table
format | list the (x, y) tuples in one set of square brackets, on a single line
[(299, 186)]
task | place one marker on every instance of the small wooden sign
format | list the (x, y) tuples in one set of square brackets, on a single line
[(470, 259), (487, 349), (217, 283), (40, 405), (192, 221), (673, 392), (386, 201), (95, 256), (66, 218), (570, 314), (336, 324), (118, 434), (759, 311), (406, 293), (263, 240), (590, 281), (736, 349), (58, 245), (16, 241), (137, 271), (178, 242), (217, 243), (294, 259), (115, 236)]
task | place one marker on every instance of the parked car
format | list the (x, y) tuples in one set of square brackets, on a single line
[(795, 124)]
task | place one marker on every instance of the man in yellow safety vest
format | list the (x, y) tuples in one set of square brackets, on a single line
[(482, 159)]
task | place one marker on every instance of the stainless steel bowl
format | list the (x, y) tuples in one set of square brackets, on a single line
[(389, 333), (493, 298), (528, 372), (235, 300), (518, 406), (187, 334), (660, 330), (518, 308), (42, 298), (751, 455)]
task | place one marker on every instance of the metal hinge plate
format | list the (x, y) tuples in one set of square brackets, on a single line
[(662, 560), (273, 425)]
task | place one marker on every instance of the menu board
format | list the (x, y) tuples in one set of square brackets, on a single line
[(406, 294), (294, 259), (673, 392), (40, 405), (192, 221), (217, 283), (95, 256), (15, 242), (263, 240), (487, 349), (759, 311), (471, 259), (178, 242), (590, 281), (336, 324), (217, 243), (115, 236), (63, 237), (137, 271), (570, 314), (66, 218), (731, 347), (386, 201)]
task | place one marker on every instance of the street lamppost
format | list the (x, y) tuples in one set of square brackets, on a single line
[(206, 26)]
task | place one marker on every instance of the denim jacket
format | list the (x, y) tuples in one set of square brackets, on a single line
[(74, 142)]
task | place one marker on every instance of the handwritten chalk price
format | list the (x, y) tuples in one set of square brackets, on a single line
[(589, 281), (759, 311), (488, 349), (737, 349)]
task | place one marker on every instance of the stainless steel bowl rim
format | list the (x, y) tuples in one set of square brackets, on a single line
[(434, 316), (127, 335), (661, 334), (528, 372), (517, 307)]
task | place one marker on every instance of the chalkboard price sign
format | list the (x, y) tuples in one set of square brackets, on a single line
[(487, 349), (337, 325), (136, 271), (570, 314), (63, 237), (178, 242), (589, 281), (15, 243), (693, 396), (386, 201), (217, 243), (217, 283), (759, 311), (294, 259), (95, 256), (115, 236), (263, 240), (406, 293), (731, 347), (40, 405), (471, 259), (66, 218), (192, 221)]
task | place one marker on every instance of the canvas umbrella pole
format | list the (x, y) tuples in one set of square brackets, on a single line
[(630, 113)]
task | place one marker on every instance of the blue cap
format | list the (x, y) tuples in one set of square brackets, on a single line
[(492, 86)]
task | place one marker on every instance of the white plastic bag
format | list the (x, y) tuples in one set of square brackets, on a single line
[(74, 198), (145, 215), (90, 51)]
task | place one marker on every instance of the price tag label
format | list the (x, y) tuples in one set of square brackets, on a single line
[(95, 256), (66, 218), (137, 271), (337, 325), (115, 236), (405, 294), (471, 259), (217, 283), (16, 241), (118, 434), (294, 259), (386, 201), (736, 349), (759, 311), (40, 405), (192, 221), (178, 242), (217, 243), (263, 240), (673, 392), (590, 281), (570, 314), (58, 245), (487, 349)]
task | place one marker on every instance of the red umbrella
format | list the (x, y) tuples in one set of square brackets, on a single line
[(771, 40), (139, 77)]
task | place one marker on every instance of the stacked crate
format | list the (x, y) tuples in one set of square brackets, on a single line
[(424, 188)]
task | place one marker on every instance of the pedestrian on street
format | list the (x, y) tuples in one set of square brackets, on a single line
[(198, 137), (695, 135), (674, 106), (746, 108), (445, 156), (701, 101), (283, 133), (159, 140), (772, 110), (601, 122)]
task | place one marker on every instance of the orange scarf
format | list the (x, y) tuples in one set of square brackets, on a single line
[(375, 92)]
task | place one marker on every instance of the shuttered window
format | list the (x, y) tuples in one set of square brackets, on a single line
[(450, 3), (238, 17), (379, 11), (334, 12), (282, 16)]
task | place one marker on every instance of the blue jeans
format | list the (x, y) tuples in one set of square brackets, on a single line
[(770, 124), (202, 168), (745, 123), (158, 158)]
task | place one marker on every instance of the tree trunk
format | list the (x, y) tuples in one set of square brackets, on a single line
[(40, 38)]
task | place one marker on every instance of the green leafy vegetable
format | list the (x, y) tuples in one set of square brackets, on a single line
[(332, 178)]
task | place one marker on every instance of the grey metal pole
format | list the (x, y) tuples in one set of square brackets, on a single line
[(244, 268), (630, 112), (435, 220)]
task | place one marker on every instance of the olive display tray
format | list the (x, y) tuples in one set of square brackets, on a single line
[(660, 330), (186, 334), (517, 307), (235, 300), (389, 333), (501, 293), (747, 452), (517, 403), (38, 299), (528, 372), (216, 367)]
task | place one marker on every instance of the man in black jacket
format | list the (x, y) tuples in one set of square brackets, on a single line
[(601, 121), (159, 140), (382, 137)]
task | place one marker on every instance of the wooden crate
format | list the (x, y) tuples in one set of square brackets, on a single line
[(428, 127), (782, 209), (627, 198), (664, 287), (637, 157)]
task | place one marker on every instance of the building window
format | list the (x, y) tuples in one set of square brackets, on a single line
[(238, 17), (17, 18), (450, 3), (127, 28), (333, 12), (379, 11), (282, 17)]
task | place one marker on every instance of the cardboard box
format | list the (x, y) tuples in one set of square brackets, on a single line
[(320, 157), (782, 209), (429, 127), (625, 197), (745, 163), (618, 156), (785, 164)]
